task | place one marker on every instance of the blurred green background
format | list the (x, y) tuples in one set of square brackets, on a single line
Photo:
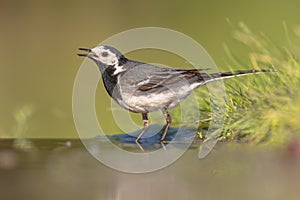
[(39, 41)]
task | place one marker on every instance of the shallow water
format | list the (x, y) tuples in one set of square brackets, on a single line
[(63, 169)]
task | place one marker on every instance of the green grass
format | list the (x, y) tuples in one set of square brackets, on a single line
[(263, 108)]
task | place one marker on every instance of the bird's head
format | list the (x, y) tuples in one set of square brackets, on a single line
[(105, 55)]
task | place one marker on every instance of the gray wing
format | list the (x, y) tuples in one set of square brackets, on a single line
[(145, 77), (169, 77)]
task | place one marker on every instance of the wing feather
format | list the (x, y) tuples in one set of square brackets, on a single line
[(168, 77)]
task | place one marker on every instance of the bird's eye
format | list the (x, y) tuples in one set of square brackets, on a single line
[(104, 54)]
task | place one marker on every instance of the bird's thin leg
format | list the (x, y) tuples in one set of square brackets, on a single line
[(163, 145), (145, 124), (169, 121), (140, 146)]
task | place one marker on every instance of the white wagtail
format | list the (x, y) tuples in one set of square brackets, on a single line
[(142, 88)]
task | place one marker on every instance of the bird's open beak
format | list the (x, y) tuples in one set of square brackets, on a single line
[(84, 54)]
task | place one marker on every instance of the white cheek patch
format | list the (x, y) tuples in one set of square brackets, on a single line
[(118, 69), (111, 59)]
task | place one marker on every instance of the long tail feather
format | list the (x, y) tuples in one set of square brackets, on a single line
[(223, 75)]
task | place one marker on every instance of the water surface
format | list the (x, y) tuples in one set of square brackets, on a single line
[(63, 169)]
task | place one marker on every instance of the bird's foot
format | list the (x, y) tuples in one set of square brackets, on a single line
[(139, 145)]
